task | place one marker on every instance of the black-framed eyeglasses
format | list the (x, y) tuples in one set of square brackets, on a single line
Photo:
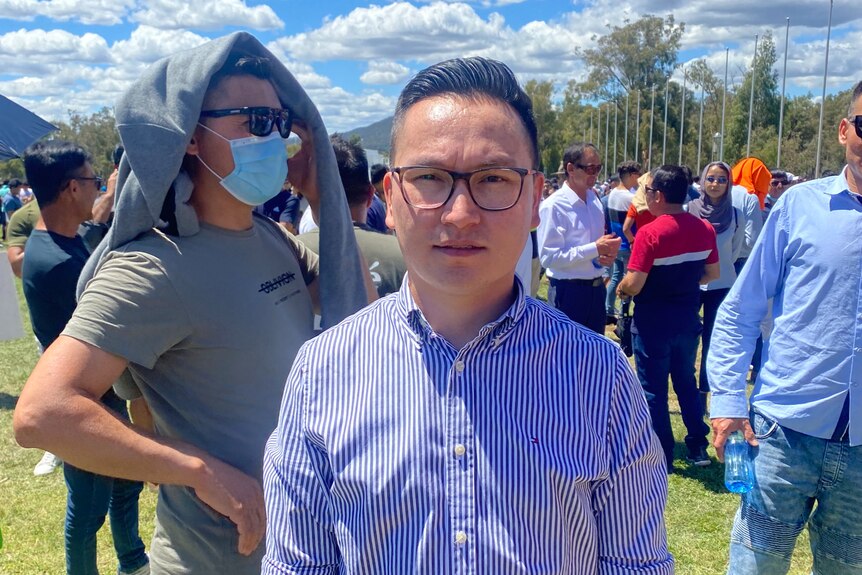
[(492, 189), (98, 179), (261, 120), (651, 190), (857, 123), (591, 169), (714, 179)]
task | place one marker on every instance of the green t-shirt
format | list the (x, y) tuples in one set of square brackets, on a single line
[(21, 224), (382, 253), (210, 324)]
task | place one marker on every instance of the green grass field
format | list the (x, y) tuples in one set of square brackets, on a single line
[(699, 510)]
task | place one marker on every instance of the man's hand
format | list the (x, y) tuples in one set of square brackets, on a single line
[(302, 168), (608, 246), (238, 497), (722, 427)]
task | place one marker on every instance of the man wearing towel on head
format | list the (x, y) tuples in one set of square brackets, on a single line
[(204, 303)]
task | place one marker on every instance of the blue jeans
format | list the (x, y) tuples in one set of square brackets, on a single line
[(792, 472), (619, 270), (658, 355), (90, 498)]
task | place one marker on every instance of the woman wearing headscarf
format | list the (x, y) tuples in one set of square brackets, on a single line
[(716, 207)]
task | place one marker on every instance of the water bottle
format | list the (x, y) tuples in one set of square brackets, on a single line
[(738, 466)]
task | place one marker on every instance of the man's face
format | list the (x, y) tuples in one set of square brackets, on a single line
[(85, 190), (232, 92), (631, 180), (579, 180), (776, 187), (852, 148), (459, 249)]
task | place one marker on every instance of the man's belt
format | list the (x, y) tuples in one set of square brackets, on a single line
[(595, 282)]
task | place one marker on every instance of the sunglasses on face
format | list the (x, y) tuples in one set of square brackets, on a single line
[(714, 179), (97, 179), (776, 183), (857, 123), (591, 169), (261, 120)]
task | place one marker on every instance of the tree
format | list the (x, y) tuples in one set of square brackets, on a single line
[(546, 122), (634, 56), (96, 133), (766, 107)]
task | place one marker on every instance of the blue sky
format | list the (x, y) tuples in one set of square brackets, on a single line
[(353, 58)]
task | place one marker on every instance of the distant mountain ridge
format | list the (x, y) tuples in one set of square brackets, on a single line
[(374, 136)]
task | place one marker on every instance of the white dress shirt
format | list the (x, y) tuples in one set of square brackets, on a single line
[(568, 230)]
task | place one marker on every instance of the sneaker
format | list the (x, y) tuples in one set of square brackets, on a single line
[(699, 458), (47, 464), (142, 570)]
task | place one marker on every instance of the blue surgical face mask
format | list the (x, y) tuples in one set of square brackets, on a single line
[(260, 167)]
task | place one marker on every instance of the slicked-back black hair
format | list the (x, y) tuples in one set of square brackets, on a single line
[(469, 77)]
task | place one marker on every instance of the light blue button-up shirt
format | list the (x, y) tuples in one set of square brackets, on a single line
[(808, 259), (529, 450)]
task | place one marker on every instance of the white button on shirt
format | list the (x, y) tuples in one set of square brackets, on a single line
[(460, 450), (459, 366), (568, 230), (460, 538)]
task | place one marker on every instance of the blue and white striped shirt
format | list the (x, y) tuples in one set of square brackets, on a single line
[(528, 451)]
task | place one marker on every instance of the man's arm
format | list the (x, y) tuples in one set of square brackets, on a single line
[(59, 411), (737, 327), (711, 272), (553, 251), (15, 254), (753, 220), (299, 536), (627, 229), (105, 204), (632, 284), (636, 487)]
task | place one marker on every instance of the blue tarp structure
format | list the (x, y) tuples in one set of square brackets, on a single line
[(19, 127)]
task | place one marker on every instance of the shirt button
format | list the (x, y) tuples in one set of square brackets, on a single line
[(460, 538), (459, 366), (460, 450)]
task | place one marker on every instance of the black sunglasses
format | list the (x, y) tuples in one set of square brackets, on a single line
[(98, 179), (261, 120), (857, 123), (591, 169)]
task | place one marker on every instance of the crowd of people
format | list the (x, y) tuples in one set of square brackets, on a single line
[(334, 367)]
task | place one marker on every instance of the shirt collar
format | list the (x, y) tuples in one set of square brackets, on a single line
[(421, 330), (839, 184)]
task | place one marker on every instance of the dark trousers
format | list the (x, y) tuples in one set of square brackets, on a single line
[(710, 300), (657, 356), (581, 301), (757, 357)]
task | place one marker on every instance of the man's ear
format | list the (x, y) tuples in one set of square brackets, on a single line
[(538, 186), (192, 146), (843, 126), (387, 194)]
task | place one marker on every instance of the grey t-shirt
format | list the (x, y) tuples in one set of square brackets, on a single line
[(382, 253), (210, 324)]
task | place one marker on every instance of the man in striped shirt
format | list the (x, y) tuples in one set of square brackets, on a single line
[(458, 426)]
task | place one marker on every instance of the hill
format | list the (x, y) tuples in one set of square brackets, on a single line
[(374, 136)]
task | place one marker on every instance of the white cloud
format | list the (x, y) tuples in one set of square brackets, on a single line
[(37, 51), (207, 15), (384, 72), (147, 44), (431, 33), (93, 12)]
